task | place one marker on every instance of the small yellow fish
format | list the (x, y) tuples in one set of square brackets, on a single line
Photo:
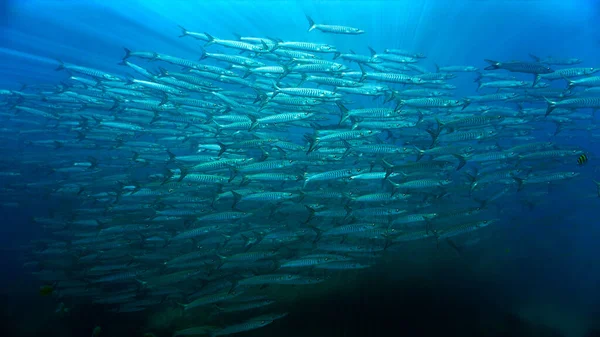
[(582, 159), (46, 290)]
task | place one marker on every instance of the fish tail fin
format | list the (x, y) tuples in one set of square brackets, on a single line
[(254, 123), (184, 32), (535, 58), (466, 103), (127, 53), (336, 55), (437, 68), (311, 214), (318, 231), (211, 39), (389, 168), (222, 148), (344, 112), (440, 124), (551, 106), (395, 187), (570, 83), (420, 152), (172, 156), (519, 183), (536, 79), (478, 78), (348, 147), (203, 55), (61, 65), (363, 74), (303, 79), (434, 135), (311, 23), (493, 65), (373, 52), (461, 161)]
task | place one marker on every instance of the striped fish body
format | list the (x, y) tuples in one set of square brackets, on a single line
[(308, 46), (204, 179), (196, 232), (504, 84), (356, 58), (346, 135), (464, 228), (395, 58), (432, 102), (349, 229), (273, 177), (382, 197), (420, 184), (269, 196), (313, 261), (493, 97), (223, 216), (177, 61), (269, 279), (250, 256), (391, 77), (267, 166), (585, 82), (474, 121), (333, 81), (549, 154), (333, 175), (470, 135), (210, 299), (391, 125), (308, 92), (405, 53), (543, 178), (317, 68), (237, 328), (520, 67), (334, 29), (285, 117), (568, 73)]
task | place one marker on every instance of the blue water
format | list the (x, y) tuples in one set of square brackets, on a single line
[(545, 259)]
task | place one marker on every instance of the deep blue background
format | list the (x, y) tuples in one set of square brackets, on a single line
[(546, 258)]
